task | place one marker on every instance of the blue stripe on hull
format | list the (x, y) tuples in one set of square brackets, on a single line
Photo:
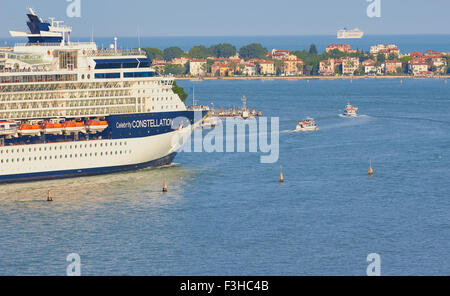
[(85, 172)]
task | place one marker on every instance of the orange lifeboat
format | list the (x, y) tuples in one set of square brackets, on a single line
[(96, 126), (73, 127), (29, 129), (51, 128)]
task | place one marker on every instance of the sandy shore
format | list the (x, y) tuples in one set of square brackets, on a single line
[(312, 77)]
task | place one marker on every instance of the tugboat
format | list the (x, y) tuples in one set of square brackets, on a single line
[(306, 125), (350, 111)]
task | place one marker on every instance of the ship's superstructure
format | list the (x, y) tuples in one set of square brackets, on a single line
[(69, 109), (350, 34)]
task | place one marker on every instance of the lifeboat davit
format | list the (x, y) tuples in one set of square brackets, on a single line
[(73, 127), (8, 129), (96, 126), (30, 129), (52, 128)]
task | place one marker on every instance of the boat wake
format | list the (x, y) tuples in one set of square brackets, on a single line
[(357, 116)]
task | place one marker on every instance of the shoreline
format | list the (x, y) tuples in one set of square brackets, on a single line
[(311, 77)]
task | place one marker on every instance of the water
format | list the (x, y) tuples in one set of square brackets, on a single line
[(406, 43), (226, 213)]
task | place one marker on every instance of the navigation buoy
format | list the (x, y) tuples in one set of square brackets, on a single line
[(49, 198), (281, 174), (370, 172), (164, 189)]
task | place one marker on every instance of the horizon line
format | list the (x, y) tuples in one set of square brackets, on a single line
[(256, 35)]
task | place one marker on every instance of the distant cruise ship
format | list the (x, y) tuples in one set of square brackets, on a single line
[(70, 109), (350, 34)]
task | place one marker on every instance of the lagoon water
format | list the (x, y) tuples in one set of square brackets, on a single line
[(226, 213)]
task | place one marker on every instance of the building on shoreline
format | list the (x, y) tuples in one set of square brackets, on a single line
[(327, 67), (338, 59), (386, 49), (392, 66), (345, 48), (197, 67), (350, 65)]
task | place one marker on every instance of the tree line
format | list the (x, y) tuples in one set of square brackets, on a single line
[(222, 50)]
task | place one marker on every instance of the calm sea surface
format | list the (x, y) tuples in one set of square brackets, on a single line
[(226, 213)]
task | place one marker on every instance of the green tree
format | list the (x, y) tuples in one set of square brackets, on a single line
[(380, 59), (154, 53), (172, 52), (278, 67), (199, 52), (392, 56), (179, 91), (223, 50), (208, 65), (313, 49), (175, 69), (254, 50), (405, 61)]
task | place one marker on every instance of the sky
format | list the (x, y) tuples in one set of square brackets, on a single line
[(232, 17)]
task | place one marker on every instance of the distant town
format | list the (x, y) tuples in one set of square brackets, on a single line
[(338, 60)]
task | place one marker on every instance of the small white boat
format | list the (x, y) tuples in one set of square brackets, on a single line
[(350, 111), (306, 125)]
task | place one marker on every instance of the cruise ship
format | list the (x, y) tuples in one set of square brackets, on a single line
[(350, 34), (71, 109)]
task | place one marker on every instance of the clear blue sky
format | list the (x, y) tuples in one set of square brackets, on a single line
[(233, 17)]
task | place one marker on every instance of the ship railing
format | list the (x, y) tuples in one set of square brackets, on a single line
[(115, 52), (54, 44), (198, 108), (23, 70)]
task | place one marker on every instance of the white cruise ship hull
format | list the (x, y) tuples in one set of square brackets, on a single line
[(71, 159)]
